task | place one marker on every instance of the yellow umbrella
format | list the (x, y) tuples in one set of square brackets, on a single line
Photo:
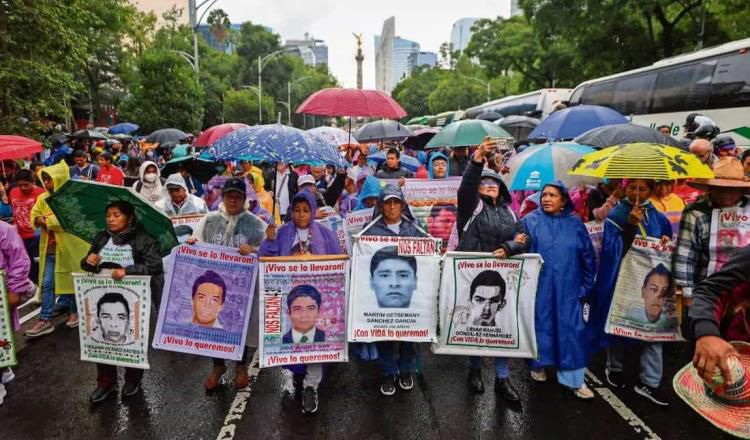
[(642, 161)]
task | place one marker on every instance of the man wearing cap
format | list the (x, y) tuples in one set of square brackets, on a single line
[(108, 173), (325, 198), (724, 146), (233, 226), (486, 224), (729, 188), (178, 201)]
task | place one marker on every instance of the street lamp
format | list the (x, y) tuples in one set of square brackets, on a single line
[(256, 90), (195, 21), (189, 58), (262, 61), (480, 81), (289, 97)]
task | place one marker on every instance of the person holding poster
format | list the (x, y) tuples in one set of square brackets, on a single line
[(392, 217), (564, 284), (302, 236), (232, 226), (487, 224), (125, 248), (633, 215)]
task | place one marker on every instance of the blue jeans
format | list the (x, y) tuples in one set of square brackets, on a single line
[(48, 292), (651, 362), (501, 366), (389, 366)]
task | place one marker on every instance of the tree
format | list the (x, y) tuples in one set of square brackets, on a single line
[(218, 24), (455, 92), (413, 92), (165, 94), (242, 106)]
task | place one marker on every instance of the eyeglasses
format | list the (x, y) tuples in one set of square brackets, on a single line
[(489, 183)]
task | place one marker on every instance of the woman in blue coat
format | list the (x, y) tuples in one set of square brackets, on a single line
[(565, 281), (633, 215)]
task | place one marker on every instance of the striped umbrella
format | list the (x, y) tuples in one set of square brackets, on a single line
[(539, 165), (642, 161)]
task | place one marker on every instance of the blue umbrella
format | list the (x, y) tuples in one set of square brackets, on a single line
[(123, 128), (539, 165), (408, 162), (570, 122), (275, 143)]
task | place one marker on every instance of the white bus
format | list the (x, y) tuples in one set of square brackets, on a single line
[(538, 104), (714, 82)]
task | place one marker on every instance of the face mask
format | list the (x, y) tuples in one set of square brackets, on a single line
[(150, 177)]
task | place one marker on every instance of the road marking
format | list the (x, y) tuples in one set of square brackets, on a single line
[(30, 315), (239, 405), (635, 422)]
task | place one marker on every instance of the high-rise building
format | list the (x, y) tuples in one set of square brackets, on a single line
[(159, 7), (417, 59), (384, 56), (403, 50), (219, 42), (312, 51), (461, 33)]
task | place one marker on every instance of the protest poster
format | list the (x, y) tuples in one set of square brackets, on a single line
[(114, 319), (730, 231), (336, 223), (355, 222), (643, 304), (393, 291), (303, 304), (487, 305), (7, 337), (205, 307), (596, 233), (184, 225)]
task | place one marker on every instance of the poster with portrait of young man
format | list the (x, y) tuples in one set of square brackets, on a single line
[(114, 319), (394, 289), (205, 307), (7, 337), (487, 305)]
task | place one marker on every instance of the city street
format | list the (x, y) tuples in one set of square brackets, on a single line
[(49, 400)]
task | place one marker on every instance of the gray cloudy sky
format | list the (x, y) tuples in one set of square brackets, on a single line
[(426, 22)]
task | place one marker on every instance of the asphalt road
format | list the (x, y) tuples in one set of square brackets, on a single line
[(49, 400)]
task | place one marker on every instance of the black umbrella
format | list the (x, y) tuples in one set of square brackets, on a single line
[(489, 116), (202, 169), (167, 137), (610, 135), (58, 138), (386, 130), (420, 138), (89, 134), (518, 126)]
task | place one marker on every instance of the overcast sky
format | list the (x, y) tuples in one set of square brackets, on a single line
[(427, 22)]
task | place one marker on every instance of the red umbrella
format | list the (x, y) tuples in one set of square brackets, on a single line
[(213, 134), (17, 147), (352, 102)]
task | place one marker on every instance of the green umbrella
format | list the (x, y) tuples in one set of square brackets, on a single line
[(79, 206), (466, 133)]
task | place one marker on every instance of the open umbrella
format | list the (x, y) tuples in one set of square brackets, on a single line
[(17, 147), (213, 134), (383, 131), (489, 116), (352, 102), (333, 135), (89, 134), (202, 169), (408, 162), (79, 207), (570, 122), (518, 126), (167, 137), (123, 128), (616, 134), (539, 165), (420, 138), (642, 161), (466, 133)]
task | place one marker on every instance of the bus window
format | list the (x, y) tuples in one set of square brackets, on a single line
[(632, 95), (598, 94), (731, 83), (682, 88), (575, 98)]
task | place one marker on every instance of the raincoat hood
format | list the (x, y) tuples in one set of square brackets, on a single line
[(307, 196), (176, 179), (392, 190), (142, 170), (60, 173), (371, 188), (569, 207), (443, 157)]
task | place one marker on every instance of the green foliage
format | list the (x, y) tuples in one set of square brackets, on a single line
[(242, 106), (166, 94)]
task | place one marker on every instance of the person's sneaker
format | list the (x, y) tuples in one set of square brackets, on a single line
[(72, 321), (213, 379), (288, 401), (475, 380), (309, 400), (100, 394), (130, 389), (584, 392), (406, 381), (539, 375), (388, 386), (41, 328), (614, 378), (3, 393), (241, 378), (8, 376), (653, 394), (506, 390)]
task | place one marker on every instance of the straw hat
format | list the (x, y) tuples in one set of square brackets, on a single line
[(728, 172), (725, 405)]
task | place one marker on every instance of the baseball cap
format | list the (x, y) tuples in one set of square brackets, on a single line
[(234, 184), (392, 196), (307, 179)]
